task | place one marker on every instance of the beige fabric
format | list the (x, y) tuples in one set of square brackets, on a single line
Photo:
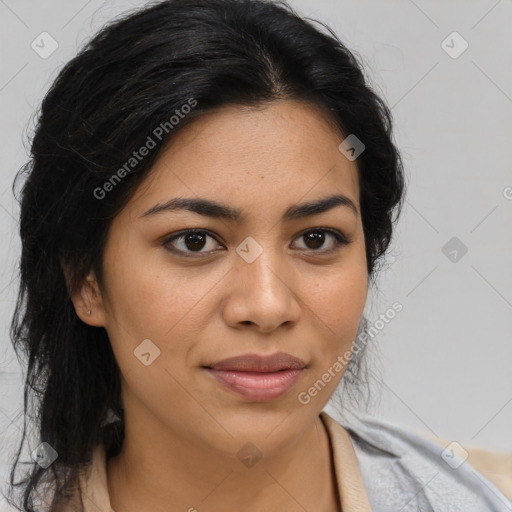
[(350, 483), (495, 466)]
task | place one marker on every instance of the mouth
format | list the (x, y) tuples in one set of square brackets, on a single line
[(258, 378)]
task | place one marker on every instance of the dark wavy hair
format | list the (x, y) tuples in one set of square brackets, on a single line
[(132, 77)]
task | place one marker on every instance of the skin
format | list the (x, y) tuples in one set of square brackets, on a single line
[(183, 429)]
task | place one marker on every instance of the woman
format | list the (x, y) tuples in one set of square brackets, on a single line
[(211, 190)]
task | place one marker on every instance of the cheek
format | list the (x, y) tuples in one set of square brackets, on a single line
[(338, 302), (152, 300), (156, 314)]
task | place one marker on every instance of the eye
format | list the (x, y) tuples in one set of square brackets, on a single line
[(191, 239), (315, 239)]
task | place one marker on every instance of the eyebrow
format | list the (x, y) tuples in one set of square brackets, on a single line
[(214, 209)]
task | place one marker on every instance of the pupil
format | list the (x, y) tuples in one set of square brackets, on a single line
[(195, 241)]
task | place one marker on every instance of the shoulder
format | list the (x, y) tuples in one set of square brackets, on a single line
[(404, 470)]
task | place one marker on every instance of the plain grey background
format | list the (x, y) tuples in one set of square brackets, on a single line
[(445, 359)]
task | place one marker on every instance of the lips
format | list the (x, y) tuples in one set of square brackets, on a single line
[(258, 378), (257, 363)]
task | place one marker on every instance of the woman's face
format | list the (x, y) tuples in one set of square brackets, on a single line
[(268, 282)]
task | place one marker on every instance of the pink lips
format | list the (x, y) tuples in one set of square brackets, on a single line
[(259, 378)]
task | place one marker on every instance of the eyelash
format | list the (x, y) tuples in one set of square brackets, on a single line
[(339, 241)]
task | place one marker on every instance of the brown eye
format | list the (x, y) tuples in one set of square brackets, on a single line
[(194, 241), (315, 239), (189, 242)]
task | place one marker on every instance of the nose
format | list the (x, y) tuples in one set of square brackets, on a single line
[(262, 293)]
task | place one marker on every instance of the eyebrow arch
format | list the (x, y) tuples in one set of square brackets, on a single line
[(214, 209)]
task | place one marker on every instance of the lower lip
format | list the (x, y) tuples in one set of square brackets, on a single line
[(258, 386)]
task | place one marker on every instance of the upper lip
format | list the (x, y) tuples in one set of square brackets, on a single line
[(259, 363)]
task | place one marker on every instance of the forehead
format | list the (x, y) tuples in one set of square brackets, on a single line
[(270, 156)]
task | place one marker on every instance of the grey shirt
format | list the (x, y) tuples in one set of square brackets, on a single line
[(405, 472)]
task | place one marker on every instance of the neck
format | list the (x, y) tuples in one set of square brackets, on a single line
[(146, 477)]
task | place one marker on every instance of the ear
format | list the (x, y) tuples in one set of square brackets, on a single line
[(87, 298)]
